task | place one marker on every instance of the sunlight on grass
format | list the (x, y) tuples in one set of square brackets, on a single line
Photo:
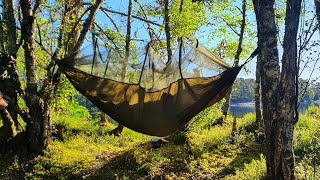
[(257, 169)]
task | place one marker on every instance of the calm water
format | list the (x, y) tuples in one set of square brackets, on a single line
[(239, 110)]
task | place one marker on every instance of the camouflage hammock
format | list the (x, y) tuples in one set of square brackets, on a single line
[(147, 94)]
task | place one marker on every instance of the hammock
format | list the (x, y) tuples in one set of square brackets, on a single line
[(156, 102)]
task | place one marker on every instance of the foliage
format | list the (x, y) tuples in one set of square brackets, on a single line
[(256, 169), (305, 130), (206, 118), (208, 139), (189, 20), (313, 111), (306, 145), (207, 154)]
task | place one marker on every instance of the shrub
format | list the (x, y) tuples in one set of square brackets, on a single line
[(305, 131), (257, 169), (77, 119), (206, 118), (313, 111), (247, 120), (208, 138)]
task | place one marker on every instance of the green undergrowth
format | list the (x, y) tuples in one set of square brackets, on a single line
[(206, 154), (202, 152), (307, 144)]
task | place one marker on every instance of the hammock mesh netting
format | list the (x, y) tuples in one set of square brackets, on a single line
[(147, 92)]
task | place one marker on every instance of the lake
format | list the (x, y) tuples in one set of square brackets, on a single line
[(238, 110)]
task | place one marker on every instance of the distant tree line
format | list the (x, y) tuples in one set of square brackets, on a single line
[(243, 91)]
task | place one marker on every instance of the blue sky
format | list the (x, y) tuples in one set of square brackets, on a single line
[(141, 33)]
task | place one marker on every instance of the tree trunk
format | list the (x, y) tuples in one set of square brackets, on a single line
[(10, 48), (9, 86), (317, 4), (38, 125), (289, 99), (73, 9), (103, 118), (167, 29), (257, 97), (2, 49), (10, 22), (278, 97), (117, 131), (226, 106), (234, 131), (8, 130)]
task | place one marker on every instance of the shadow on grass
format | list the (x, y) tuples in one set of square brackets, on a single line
[(127, 165), (249, 152), (8, 167)]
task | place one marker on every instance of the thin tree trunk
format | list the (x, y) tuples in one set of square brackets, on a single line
[(87, 24), (128, 40), (2, 49), (118, 130), (226, 106), (257, 97), (167, 29)]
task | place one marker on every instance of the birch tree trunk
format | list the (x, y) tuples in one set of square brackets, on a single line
[(278, 90)]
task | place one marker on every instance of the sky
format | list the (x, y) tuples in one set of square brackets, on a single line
[(203, 35)]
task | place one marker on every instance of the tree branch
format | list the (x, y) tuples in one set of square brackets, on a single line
[(36, 7), (112, 21), (87, 24), (133, 16)]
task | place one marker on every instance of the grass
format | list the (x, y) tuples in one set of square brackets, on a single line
[(207, 154), (203, 152)]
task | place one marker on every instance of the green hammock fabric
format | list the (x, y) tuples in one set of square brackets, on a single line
[(158, 113)]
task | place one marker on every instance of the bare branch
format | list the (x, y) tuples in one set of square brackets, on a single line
[(133, 16), (112, 21), (230, 26)]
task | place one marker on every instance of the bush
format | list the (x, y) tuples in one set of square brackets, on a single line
[(75, 119), (313, 111), (206, 118), (257, 169), (247, 120), (208, 138), (305, 131)]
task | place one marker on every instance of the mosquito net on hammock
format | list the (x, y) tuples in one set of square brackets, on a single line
[(147, 92)]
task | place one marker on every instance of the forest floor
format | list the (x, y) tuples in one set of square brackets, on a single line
[(205, 154)]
